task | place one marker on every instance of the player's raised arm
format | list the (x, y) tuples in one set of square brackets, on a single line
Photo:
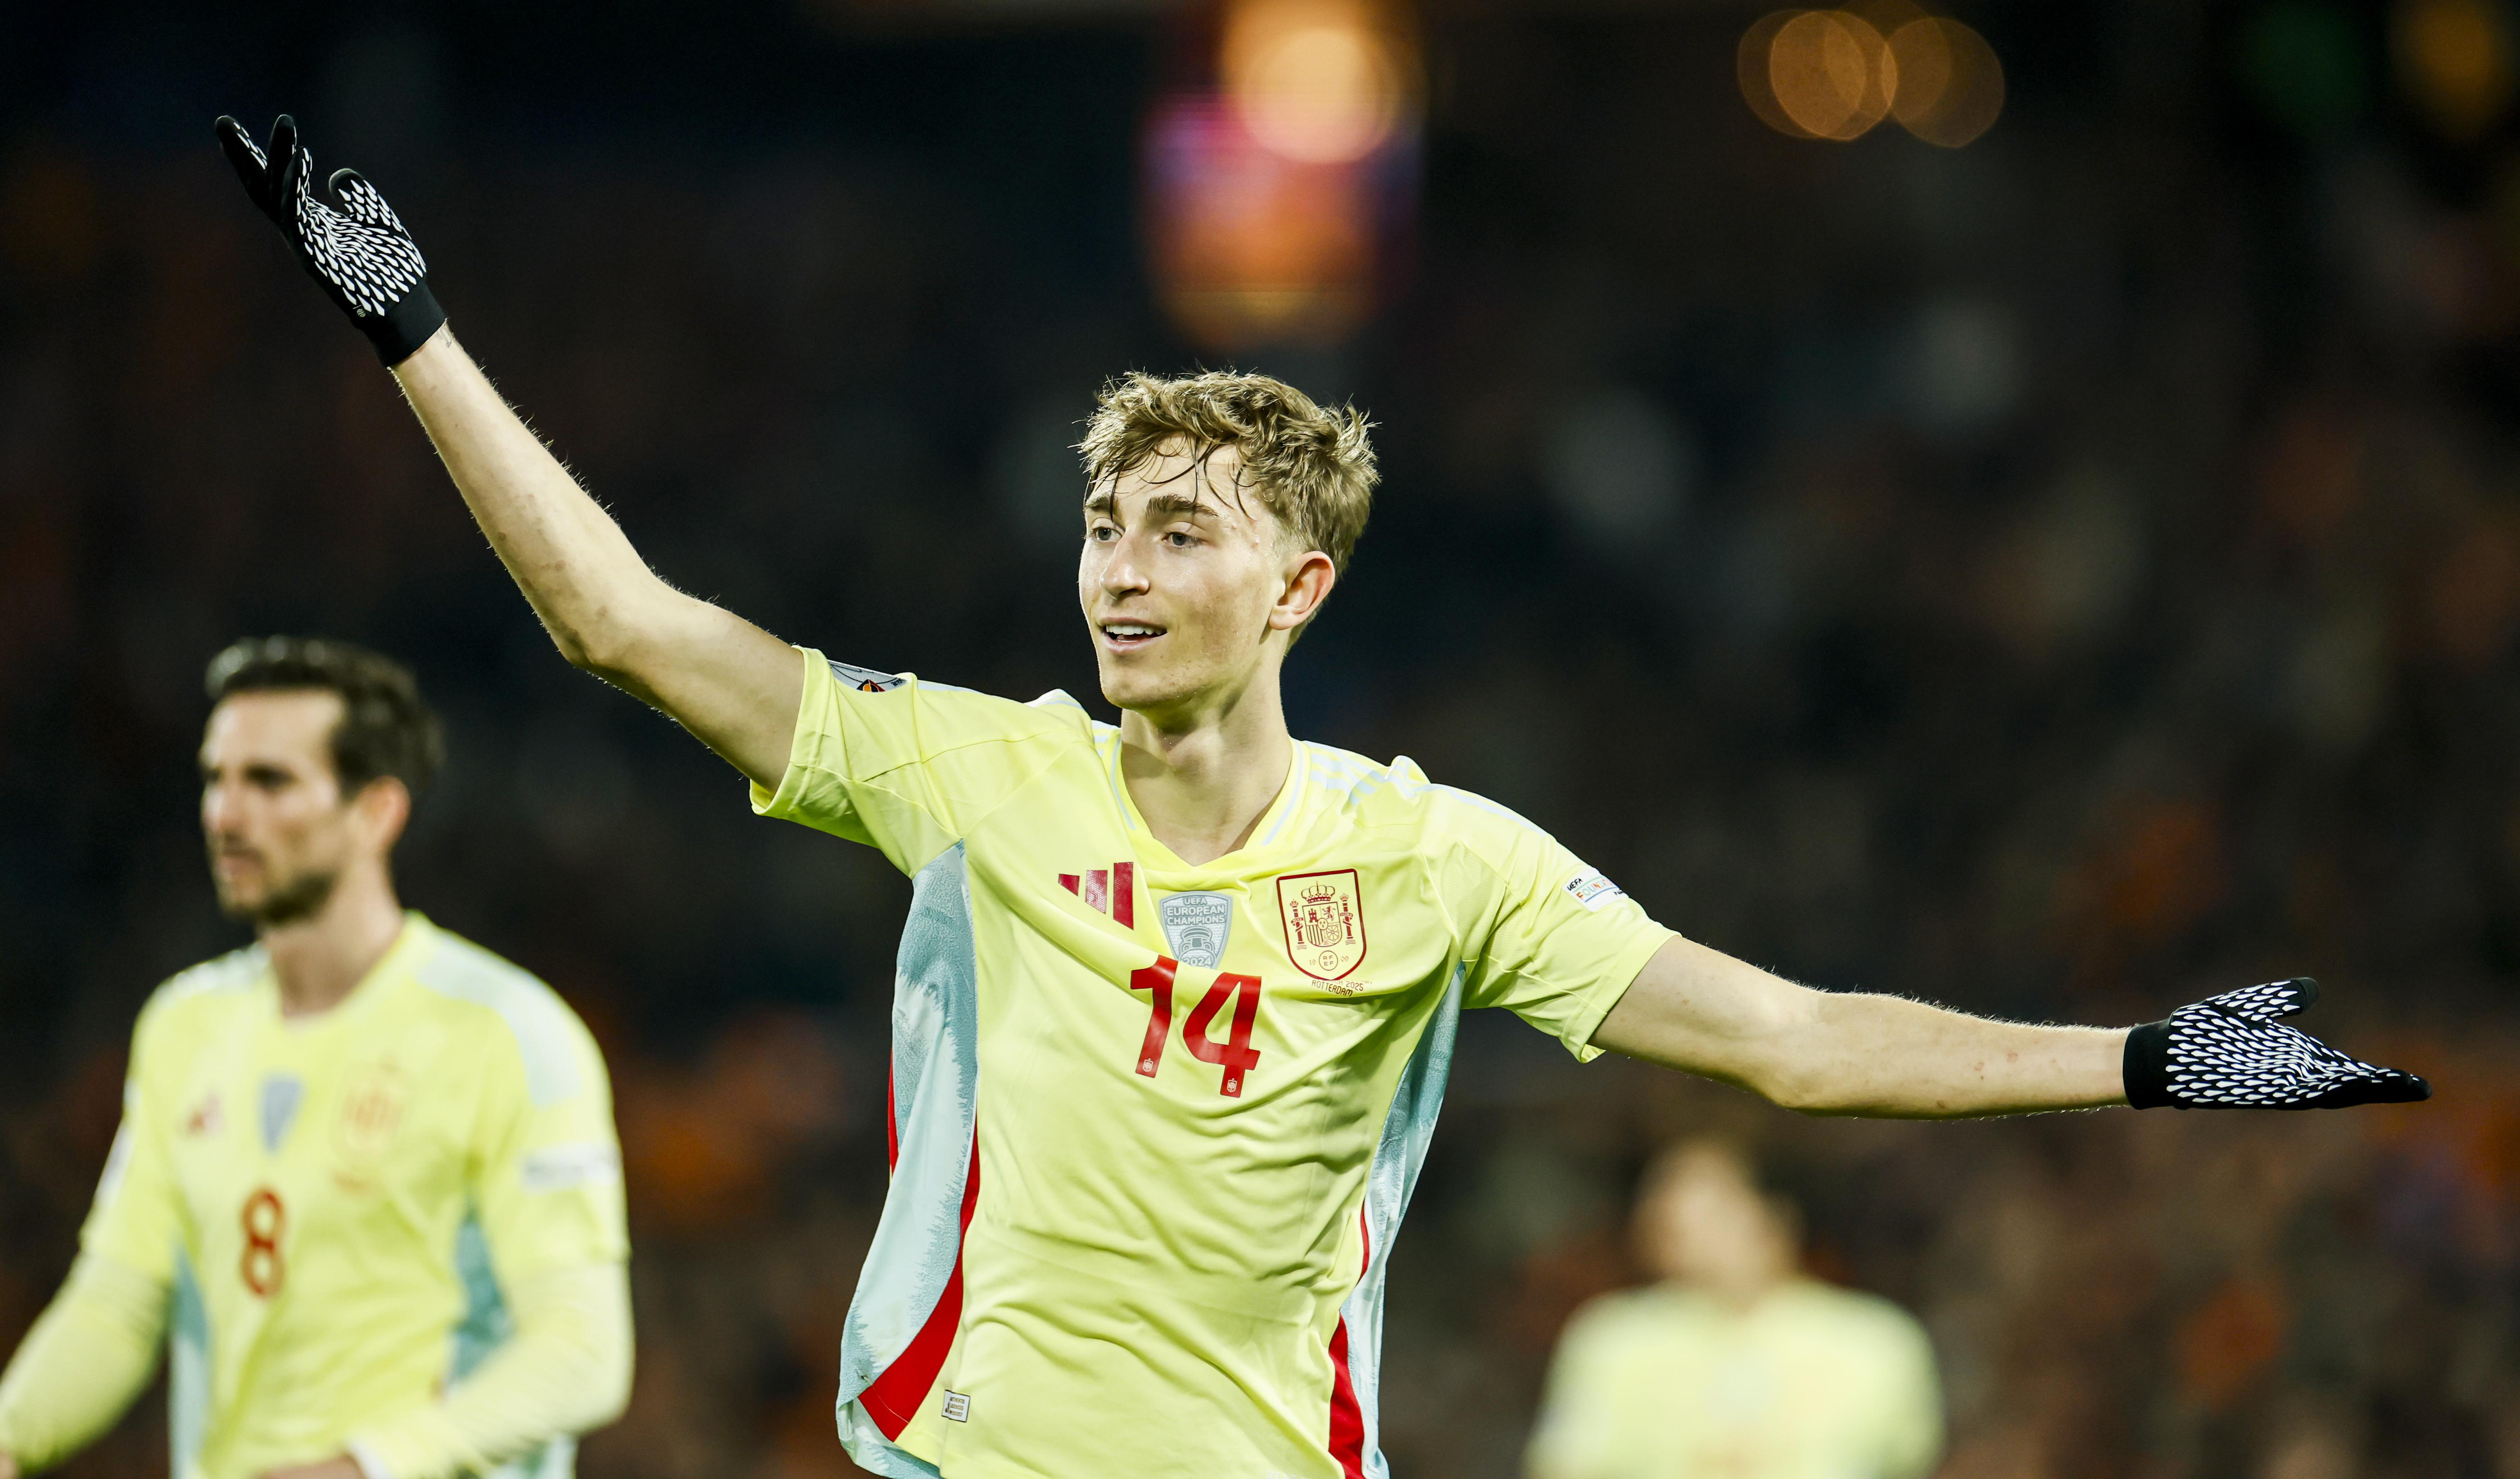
[(1831, 1053), (726, 680)]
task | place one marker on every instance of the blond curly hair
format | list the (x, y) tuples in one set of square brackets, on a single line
[(1312, 468)]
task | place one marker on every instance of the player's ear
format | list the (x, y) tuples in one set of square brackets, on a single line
[(383, 808), (1309, 577)]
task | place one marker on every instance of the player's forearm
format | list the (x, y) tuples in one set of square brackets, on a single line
[(728, 682), (595, 595), (85, 1360), (1823, 1053), (565, 1371), (1892, 1058)]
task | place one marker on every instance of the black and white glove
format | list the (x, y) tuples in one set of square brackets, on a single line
[(357, 249), (2231, 1053)]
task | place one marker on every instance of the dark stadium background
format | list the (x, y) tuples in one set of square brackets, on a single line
[(2157, 638)]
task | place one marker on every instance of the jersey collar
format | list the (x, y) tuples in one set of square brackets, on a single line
[(410, 946), (1265, 834)]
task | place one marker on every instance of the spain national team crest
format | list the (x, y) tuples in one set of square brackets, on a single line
[(1325, 918)]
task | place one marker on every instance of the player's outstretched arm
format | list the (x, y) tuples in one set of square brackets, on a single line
[(1831, 1053), (565, 1370), (726, 680), (87, 1357)]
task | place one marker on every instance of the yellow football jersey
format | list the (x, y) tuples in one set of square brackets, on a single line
[(1154, 1125), (337, 1200), (1812, 1382)]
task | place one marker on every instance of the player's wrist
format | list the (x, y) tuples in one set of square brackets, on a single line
[(403, 330), (2146, 1067), (344, 236)]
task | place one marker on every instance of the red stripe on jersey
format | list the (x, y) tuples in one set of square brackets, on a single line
[(1068, 882), (1098, 891), (893, 1397), (891, 1125), (1124, 895), (1347, 1419)]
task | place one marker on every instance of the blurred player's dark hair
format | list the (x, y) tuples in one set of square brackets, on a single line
[(387, 728)]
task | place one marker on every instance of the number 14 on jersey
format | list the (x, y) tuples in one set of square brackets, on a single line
[(1234, 1055)]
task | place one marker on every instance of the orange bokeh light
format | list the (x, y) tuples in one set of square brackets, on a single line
[(1315, 80), (1834, 74), (1953, 85)]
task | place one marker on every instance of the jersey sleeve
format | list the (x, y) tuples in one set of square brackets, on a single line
[(1582, 1431), (92, 1350), (906, 766), (88, 1355), (547, 1162), (137, 1219), (1544, 935)]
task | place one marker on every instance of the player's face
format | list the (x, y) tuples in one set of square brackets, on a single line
[(1186, 579), (1710, 1227), (279, 832)]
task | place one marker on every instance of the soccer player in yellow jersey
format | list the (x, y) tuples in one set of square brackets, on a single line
[(366, 1187), (1736, 1365), (1175, 997)]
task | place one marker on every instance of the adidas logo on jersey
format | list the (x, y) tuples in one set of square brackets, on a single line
[(1110, 890)]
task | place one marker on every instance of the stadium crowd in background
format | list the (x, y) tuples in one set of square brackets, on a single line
[(2047, 577)]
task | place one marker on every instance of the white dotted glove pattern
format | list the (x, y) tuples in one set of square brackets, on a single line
[(2231, 1051), (359, 250)]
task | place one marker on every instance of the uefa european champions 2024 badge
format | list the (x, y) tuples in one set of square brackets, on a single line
[(1196, 925)]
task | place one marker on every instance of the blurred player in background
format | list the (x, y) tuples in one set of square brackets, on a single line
[(1176, 997), (1737, 1366), (367, 1186)]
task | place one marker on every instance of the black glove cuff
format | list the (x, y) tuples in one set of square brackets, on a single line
[(2148, 1066), (400, 330)]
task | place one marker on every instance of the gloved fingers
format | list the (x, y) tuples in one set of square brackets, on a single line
[(2272, 1001), (2372, 1086), (289, 187), (253, 167), (290, 164), (359, 200)]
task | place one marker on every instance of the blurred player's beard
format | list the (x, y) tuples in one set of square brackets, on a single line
[(287, 902)]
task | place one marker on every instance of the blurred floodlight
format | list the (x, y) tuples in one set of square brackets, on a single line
[(1314, 80), (1817, 75), (1758, 89), (1271, 200), (1950, 86), (1834, 74), (1250, 247), (2454, 56)]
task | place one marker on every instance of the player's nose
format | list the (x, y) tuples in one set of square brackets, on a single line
[(1124, 573)]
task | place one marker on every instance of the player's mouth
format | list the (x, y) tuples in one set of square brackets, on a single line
[(1129, 636)]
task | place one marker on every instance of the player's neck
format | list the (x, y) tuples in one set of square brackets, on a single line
[(1203, 782), (319, 960), (1741, 1290)]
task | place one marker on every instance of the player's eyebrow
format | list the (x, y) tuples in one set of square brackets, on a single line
[(1156, 504), (1178, 503)]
